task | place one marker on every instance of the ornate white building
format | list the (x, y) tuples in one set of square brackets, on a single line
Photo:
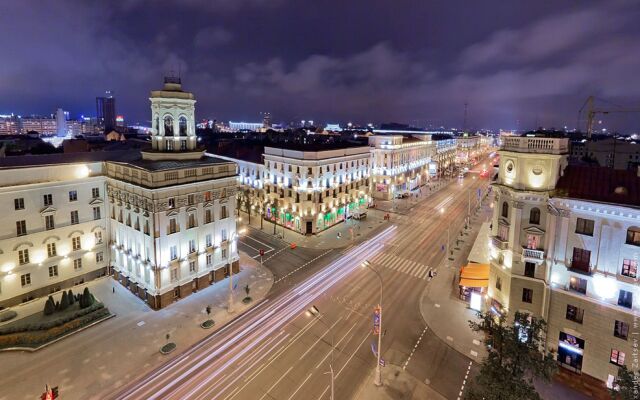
[(161, 221), (565, 246)]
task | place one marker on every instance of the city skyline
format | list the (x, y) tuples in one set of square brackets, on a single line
[(519, 67)]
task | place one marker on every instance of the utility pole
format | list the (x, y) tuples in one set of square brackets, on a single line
[(378, 377)]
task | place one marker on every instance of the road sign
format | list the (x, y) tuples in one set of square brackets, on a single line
[(382, 362), (479, 192), (373, 349), (376, 320), (261, 252)]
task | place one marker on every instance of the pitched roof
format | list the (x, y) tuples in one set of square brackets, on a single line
[(601, 184)]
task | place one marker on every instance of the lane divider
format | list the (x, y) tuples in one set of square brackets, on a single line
[(302, 266), (415, 347)]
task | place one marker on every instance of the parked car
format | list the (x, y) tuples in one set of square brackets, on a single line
[(402, 195), (359, 215)]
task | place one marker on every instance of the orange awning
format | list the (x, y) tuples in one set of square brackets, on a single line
[(474, 275)]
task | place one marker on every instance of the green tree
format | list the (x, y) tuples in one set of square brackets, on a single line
[(64, 302), (71, 297), (627, 385), (49, 306), (85, 299), (514, 358)]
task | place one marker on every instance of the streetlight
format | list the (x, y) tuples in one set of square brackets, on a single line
[(234, 236), (314, 312), (378, 379), (448, 233)]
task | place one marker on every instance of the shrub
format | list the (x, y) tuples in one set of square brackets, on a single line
[(7, 315), (61, 320), (70, 297), (57, 306), (86, 299), (64, 302), (49, 307)]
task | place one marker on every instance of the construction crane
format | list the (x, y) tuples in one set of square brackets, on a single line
[(589, 104)]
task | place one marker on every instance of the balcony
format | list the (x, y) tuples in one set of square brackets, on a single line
[(499, 243), (535, 145), (537, 255)]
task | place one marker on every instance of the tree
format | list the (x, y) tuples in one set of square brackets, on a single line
[(625, 386), (71, 297), (85, 298), (514, 358), (49, 306), (64, 302)]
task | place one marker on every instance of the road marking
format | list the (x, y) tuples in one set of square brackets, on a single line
[(320, 338), (353, 354), (335, 346), (476, 342), (278, 381), (464, 382), (474, 353), (414, 348), (256, 240), (300, 387), (449, 338), (437, 305), (302, 266)]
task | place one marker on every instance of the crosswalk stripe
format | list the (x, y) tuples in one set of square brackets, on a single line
[(405, 266), (376, 257), (395, 263), (420, 270), (387, 258), (383, 260), (414, 265), (425, 273)]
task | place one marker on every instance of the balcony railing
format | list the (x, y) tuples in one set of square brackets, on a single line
[(535, 144), (533, 254), (499, 242)]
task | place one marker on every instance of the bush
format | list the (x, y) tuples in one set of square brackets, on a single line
[(207, 324), (168, 348), (70, 297), (64, 302), (87, 299), (38, 326), (7, 315), (49, 306)]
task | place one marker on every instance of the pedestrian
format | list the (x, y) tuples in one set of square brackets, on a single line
[(113, 289)]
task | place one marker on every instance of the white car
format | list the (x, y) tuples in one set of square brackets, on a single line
[(359, 215)]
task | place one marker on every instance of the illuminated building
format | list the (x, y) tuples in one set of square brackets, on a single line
[(106, 111), (161, 221), (565, 246), (245, 126)]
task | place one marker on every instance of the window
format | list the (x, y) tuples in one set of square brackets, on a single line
[(578, 284), (625, 299), (99, 257), (505, 209), (191, 221), (23, 256), (223, 212), (581, 259), (49, 223), (209, 259), (207, 196), (146, 227), (503, 232), (48, 200), (534, 216), (529, 269), (621, 330), (224, 253), (169, 147), (174, 274), (208, 240), (98, 236), (192, 246), (51, 250), (25, 279), (574, 313), (75, 243), (584, 226), (633, 236), (223, 234), (617, 357), (136, 226), (192, 267), (498, 283), (96, 213), (191, 199), (527, 295), (18, 203), (173, 252), (172, 203), (173, 227), (21, 228), (95, 193), (53, 271), (630, 268), (207, 216), (73, 195), (183, 145), (533, 242), (74, 217), (77, 264)]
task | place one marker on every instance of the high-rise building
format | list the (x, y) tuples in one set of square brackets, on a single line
[(106, 111), (266, 120), (61, 123)]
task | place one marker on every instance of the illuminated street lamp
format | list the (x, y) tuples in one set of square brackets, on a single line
[(378, 377), (233, 238)]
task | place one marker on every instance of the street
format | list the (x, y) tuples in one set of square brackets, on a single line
[(276, 351)]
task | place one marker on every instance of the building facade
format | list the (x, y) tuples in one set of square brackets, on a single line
[(161, 221), (564, 247)]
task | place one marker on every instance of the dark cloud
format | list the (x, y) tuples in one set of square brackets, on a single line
[(410, 61)]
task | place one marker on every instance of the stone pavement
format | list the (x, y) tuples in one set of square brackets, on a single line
[(404, 206), (397, 385), (123, 347)]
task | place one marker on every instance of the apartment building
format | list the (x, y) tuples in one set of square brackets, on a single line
[(565, 245), (161, 221)]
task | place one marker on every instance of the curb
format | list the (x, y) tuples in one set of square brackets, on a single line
[(33, 349)]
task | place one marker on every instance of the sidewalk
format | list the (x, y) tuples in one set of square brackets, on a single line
[(351, 231), (445, 314), (404, 206), (397, 384), (102, 358)]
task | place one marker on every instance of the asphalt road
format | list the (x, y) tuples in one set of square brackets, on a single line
[(276, 351)]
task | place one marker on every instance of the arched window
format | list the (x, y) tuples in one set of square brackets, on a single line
[(168, 125), (534, 216), (183, 126), (633, 236), (505, 209)]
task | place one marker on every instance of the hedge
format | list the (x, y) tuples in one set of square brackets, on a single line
[(39, 326), (7, 315), (36, 338)]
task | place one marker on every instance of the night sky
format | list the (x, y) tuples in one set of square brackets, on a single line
[(515, 63)]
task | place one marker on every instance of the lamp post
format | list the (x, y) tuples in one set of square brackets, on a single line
[(229, 247), (378, 378), (314, 312)]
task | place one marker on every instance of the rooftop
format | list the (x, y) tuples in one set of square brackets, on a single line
[(601, 184)]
